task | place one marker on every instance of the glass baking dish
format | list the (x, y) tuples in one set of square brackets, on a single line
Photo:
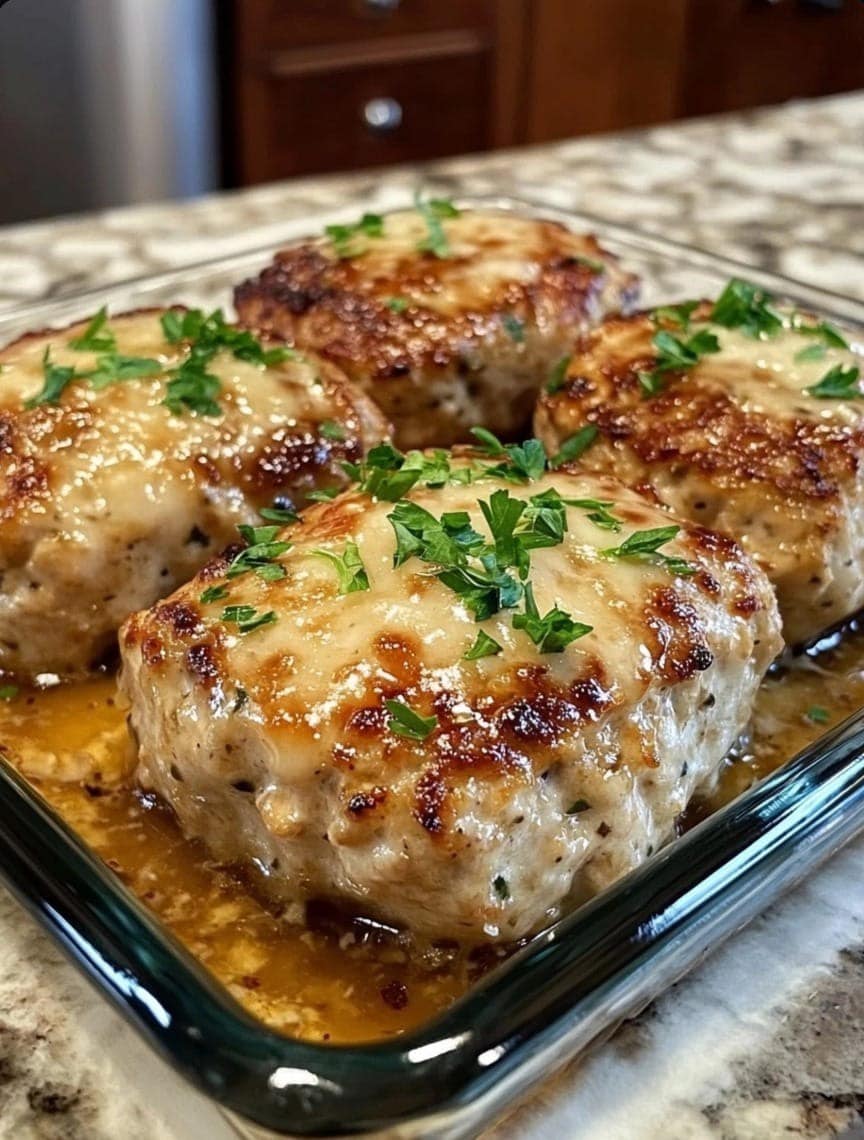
[(568, 988)]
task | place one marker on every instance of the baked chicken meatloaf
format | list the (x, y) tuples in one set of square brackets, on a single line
[(446, 318), (130, 449), (745, 417), (456, 710)]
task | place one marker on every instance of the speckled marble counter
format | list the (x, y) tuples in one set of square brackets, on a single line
[(767, 1038)]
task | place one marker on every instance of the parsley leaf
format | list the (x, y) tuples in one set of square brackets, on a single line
[(247, 618), (598, 512), (329, 429), (349, 568), (404, 721), (829, 334), (114, 368), (744, 306), (192, 388), (345, 237), (97, 337), (818, 715), (484, 591), (55, 380), (445, 541), (8, 692), (283, 515), (675, 314), (644, 546), (552, 633), (502, 514), (558, 375), (213, 594), (323, 494), (433, 211), (262, 550), (676, 355), (173, 325), (523, 462), (514, 328), (574, 446), (397, 304), (484, 646), (838, 383), (811, 352)]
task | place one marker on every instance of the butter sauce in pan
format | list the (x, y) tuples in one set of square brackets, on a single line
[(334, 979)]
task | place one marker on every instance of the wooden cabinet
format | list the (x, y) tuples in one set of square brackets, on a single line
[(320, 85), (742, 53)]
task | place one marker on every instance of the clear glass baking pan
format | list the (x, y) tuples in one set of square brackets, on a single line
[(568, 988)]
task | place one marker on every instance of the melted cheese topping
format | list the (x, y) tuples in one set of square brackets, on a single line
[(327, 654), (763, 373), (487, 254)]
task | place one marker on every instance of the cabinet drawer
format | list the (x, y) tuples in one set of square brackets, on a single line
[(266, 24), (362, 115)]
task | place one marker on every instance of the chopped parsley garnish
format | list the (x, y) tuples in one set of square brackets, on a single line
[(329, 429), (8, 692), (445, 541), (433, 211), (283, 515), (574, 446), (522, 462), (56, 378), (501, 887), (810, 353), (818, 715), (262, 550), (97, 337), (349, 568), (829, 334), (598, 512), (247, 618), (676, 355), (558, 375), (838, 383), (323, 494), (484, 646), (192, 388), (348, 239), (388, 474), (404, 721), (552, 633), (213, 594), (397, 304), (744, 306), (514, 328), (644, 546), (675, 314), (577, 807), (484, 591), (114, 368)]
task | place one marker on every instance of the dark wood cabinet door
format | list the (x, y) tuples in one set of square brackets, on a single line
[(365, 115), (307, 23), (743, 53)]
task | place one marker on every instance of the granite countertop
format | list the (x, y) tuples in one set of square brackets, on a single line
[(764, 1040)]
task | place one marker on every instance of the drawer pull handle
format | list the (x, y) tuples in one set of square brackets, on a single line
[(382, 115), (380, 7)]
